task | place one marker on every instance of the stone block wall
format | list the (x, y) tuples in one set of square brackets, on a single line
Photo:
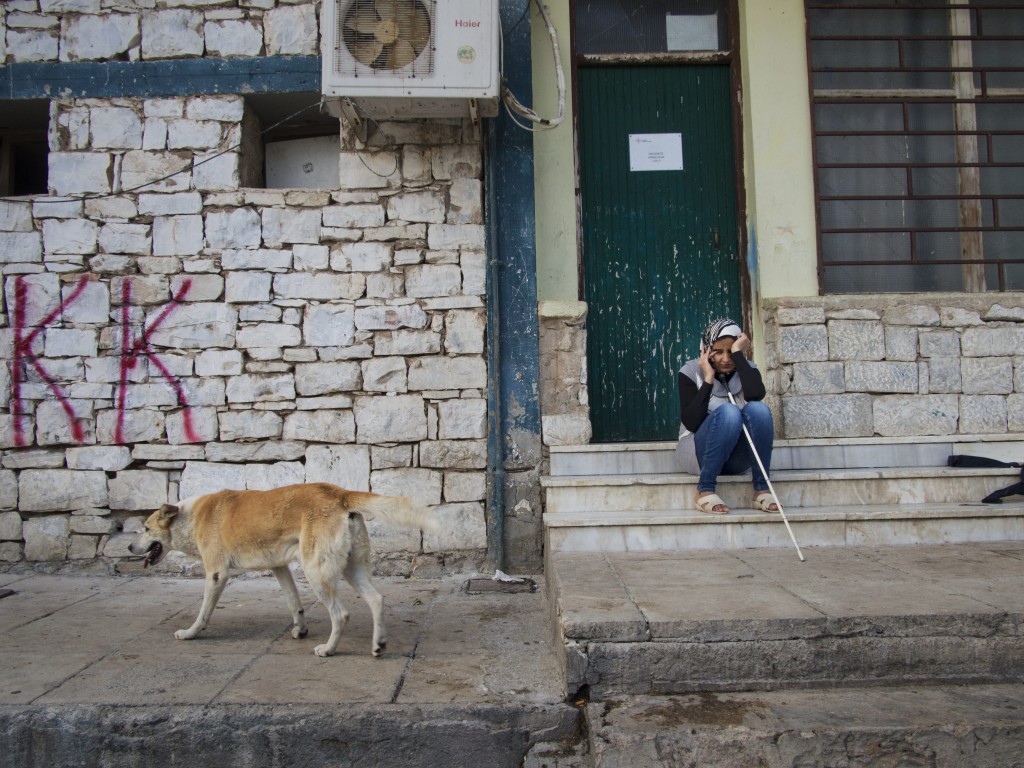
[(896, 366), (565, 406), (134, 30), (168, 331)]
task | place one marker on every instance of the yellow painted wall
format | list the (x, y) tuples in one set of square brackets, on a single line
[(554, 163), (778, 172), (777, 155)]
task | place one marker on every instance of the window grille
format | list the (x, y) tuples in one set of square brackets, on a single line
[(918, 130)]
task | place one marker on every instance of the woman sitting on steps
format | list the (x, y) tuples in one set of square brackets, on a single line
[(712, 441)]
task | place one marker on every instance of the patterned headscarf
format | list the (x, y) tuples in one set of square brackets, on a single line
[(723, 326)]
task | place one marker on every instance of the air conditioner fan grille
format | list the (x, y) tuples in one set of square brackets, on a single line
[(385, 37)]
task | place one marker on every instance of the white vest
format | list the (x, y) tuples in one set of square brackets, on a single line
[(686, 451)]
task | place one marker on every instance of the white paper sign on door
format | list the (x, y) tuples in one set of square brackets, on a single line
[(655, 151)]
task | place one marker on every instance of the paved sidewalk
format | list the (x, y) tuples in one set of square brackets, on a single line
[(90, 667), (109, 640), (92, 675), (690, 592), (749, 619)]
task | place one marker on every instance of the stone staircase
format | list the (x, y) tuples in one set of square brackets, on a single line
[(698, 640), (854, 491)]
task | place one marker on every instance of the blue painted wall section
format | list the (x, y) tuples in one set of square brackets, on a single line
[(269, 74), (514, 528)]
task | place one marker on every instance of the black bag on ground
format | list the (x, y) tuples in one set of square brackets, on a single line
[(996, 497)]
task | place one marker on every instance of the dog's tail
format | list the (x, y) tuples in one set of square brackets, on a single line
[(398, 511)]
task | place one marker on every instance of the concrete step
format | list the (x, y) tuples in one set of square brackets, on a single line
[(642, 623), (981, 726), (838, 453), (846, 491), (833, 526), (796, 488)]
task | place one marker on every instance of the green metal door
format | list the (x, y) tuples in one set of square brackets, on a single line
[(659, 242)]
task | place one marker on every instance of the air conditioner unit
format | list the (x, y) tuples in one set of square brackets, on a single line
[(411, 58)]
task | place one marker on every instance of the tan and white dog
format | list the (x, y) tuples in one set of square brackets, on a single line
[(320, 524)]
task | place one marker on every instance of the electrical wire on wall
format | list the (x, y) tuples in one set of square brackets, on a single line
[(187, 167), (516, 110), (388, 145), (521, 115)]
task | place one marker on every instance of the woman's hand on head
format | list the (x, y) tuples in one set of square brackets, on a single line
[(742, 343), (706, 367)]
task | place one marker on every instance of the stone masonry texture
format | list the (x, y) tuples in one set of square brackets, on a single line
[(896, 366), (169, 327)]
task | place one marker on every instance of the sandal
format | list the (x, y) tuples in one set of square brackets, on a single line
[(712, 504), (765, 502)]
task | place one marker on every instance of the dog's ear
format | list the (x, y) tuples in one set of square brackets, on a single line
[(166, 513)]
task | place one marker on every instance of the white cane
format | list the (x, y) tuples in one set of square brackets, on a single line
[(764, 474)]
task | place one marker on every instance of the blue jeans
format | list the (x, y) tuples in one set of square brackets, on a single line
[(722, 448)]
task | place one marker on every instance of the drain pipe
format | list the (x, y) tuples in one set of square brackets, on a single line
[(495, 454)]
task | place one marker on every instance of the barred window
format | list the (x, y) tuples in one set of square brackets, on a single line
[(918, 127)]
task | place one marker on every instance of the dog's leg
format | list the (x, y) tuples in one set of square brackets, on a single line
[(326, 591), (357, 574), (216, 580), (291, 594)]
